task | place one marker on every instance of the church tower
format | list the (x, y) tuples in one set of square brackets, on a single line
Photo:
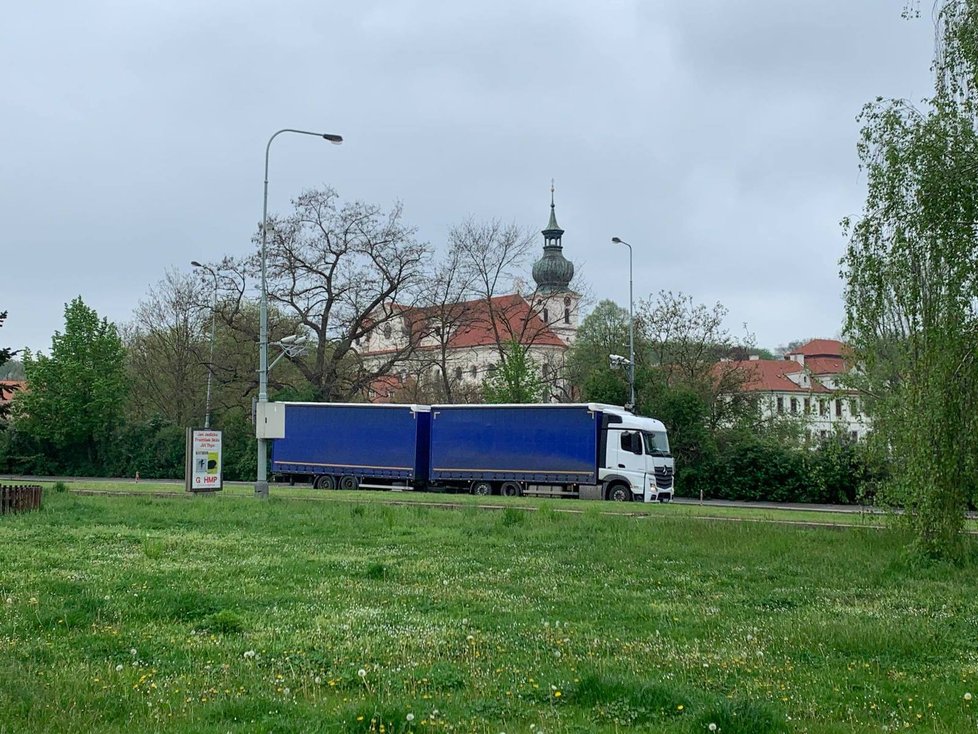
[(555, 302)]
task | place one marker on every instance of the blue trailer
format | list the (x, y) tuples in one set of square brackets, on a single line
[(509, 447), (580, 450), (348, 445)]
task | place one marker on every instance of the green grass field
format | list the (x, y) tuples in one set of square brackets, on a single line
[(137, 613)]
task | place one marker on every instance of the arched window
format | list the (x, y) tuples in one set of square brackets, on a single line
[(566, 315), (474, 371), (458, 373), (546, 316), (387, 331)]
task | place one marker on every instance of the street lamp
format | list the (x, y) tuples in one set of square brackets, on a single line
[(261, 484), (631, 325), (210, 363)]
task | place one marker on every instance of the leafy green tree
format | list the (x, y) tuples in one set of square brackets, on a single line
[(515, 380), (603, 332), (911, 272), (77, 394)]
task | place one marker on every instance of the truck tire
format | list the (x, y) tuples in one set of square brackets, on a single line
[(619, 492), (324, 481), (349, 481), (511, 489), (483, 489)]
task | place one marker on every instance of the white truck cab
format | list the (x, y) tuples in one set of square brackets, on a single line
[(637, 463)]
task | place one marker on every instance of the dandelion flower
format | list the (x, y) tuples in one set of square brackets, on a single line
[(249, 654), (118, 668), (132, 651), (680, 707), (967, 696), (409, 717), (318, 680), (712, 726), (362, 673)]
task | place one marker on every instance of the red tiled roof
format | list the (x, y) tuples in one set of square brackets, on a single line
[(473, 321), (821, 348), (769, 375), (9, 387), (825, 365)]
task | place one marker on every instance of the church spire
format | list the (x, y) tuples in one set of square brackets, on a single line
[(553, 272), (553, 232)]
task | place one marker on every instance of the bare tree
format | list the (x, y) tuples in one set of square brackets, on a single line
[(337, 272), (493, 257), (689, 343), (163, 346)]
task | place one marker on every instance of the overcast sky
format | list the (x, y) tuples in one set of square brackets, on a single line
[(718, 137)]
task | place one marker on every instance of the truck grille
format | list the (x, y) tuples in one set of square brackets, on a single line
[(663, 477)]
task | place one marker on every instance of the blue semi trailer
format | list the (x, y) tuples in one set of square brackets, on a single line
[(580, 450)]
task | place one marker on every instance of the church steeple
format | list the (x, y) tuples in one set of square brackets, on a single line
[(553, 272)]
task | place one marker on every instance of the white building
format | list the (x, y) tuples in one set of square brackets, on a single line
[(806, 384)]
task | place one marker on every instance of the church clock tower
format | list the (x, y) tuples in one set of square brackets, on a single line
[(555, 302)]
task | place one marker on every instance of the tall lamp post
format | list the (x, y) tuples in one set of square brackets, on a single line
[(210, 363), (631, 325), (261, 484)]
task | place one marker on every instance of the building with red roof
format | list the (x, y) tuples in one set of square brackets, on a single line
[(807, 383), (460, 343), (7, 390)]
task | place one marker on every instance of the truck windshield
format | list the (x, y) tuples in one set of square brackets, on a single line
[(656, 443)]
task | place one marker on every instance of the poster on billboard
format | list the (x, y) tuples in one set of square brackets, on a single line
[(203, 471)]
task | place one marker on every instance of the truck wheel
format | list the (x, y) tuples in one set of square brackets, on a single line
[(619, 493), (324, 481), (349, 482), (511, 489), (483, 489)]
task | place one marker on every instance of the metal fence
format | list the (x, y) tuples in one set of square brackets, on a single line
[(19, 498)]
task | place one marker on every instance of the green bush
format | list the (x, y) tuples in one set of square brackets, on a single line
[(751, 466)]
